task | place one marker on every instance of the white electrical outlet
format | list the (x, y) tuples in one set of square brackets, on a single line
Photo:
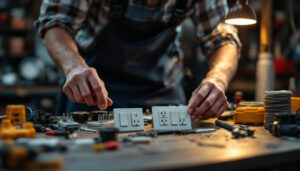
[(129, 119), (171, 118)]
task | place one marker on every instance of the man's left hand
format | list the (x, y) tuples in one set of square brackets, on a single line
[(208, 101)]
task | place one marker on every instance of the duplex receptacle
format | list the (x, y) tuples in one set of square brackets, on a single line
[(171, 118)]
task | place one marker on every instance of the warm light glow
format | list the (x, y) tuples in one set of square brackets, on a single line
[(240, 21)]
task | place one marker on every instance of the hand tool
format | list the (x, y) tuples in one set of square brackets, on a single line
[(138, 140), (286, 124), (85, 128), (111, 145), (238, 131), (197, 131)]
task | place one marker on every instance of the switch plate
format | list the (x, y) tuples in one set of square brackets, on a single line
[(129, 119), (171, 118), (123, 119)]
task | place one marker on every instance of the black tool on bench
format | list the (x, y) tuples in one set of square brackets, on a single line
[(238, 131), (286, 125)]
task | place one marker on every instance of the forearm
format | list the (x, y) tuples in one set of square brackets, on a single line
[(223, 65), (63, 50)]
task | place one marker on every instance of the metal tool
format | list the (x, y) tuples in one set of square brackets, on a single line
[(238, 131), (286, 125), (85, 128)]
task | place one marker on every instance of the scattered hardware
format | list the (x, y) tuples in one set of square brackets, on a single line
[(171, 118), (276, 102), (147, 119), (41, 120), (104, 119), (238, 131), (81, 117), (249, 115), (85, 128), (138, 139), (286, 125), (147, 134), (129, 119), (67, 121), (40, 128), (94, 114), (198, 131), (28, 155), (108, 134), (56, 133), (67, 132), (108, 145), (85, 141), (98, 147), (111, 145), (228, 114), (39, 117)]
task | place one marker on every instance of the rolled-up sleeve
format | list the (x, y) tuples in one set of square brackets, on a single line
[(211, 32), (68, 14)]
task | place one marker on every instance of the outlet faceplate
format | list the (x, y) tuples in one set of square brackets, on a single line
[(129, 119), (171, 118)]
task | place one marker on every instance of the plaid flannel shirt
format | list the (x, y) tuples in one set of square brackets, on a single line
[(84, 19)]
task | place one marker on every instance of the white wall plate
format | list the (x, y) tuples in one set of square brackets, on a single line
[(129, 119), (171, 118)]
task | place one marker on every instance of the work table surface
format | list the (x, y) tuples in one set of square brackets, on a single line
[(217, 151)]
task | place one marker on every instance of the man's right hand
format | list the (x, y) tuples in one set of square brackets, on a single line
[(83, 85)]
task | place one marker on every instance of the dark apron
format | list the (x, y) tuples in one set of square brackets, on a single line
[(136, 61)]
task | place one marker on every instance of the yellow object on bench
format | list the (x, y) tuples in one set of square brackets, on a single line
[(16, 126), (16, 114), (249, 115), (8, 131)]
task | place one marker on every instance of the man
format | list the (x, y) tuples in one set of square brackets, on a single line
[(125, 50)]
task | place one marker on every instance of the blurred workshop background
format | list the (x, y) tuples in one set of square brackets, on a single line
[(28, 75)]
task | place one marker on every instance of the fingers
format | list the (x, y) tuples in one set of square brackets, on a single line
[(84, 86), (99, 91), (86, 93), (198, 96), (207, 104), (109, 101), (222, 109), (212, 112), (77, 94), (207, 101), (69, 93)]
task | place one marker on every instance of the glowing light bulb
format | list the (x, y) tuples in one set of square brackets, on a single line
[(240, 21)]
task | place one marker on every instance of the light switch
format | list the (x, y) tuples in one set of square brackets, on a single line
[(174, 118), (123, 119)]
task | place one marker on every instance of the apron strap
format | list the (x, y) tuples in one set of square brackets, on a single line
[(179, 12), (118, 8)]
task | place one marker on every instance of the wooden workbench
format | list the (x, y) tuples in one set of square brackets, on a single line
[(208, 151)]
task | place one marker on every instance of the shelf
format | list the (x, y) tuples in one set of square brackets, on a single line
[(25, 91), (12, 30)]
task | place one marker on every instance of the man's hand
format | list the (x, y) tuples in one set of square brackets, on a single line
[(83, 85), (207, 101)]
